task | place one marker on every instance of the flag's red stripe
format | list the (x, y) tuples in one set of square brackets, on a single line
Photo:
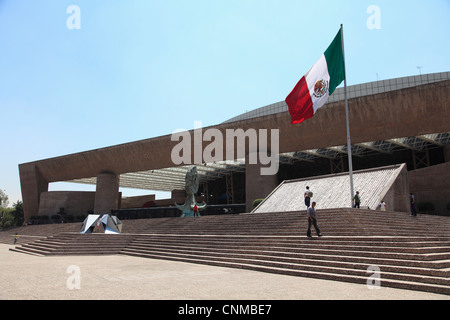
[(300, 103)]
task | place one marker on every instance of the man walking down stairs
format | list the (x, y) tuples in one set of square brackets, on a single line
[(312, 220)]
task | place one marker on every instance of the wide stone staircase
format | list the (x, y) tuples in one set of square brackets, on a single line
[(409, 252), (76, 244)]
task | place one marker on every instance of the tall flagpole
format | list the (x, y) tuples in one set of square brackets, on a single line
[(349, 145)]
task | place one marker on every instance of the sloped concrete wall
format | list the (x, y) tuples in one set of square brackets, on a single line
[(333, 191), (397, 194)]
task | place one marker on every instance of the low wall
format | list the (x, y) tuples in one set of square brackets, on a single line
[(432, 184), (137, 201), (73, 202)]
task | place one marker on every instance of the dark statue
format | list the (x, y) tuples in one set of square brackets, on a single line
[(192, 182)]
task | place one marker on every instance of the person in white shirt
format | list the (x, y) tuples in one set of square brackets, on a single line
[(383, 206), (307, 195)]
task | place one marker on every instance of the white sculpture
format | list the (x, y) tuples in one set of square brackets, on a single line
[(96, 223)]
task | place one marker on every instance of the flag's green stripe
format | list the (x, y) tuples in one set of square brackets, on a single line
[(335, 62)]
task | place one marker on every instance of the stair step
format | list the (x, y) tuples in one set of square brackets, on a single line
[(294, 246), (348, 269), (283, 252), (303, 257), (442, 289), (30, 251)]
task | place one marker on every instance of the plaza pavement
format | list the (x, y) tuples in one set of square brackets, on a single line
[(120, 277)]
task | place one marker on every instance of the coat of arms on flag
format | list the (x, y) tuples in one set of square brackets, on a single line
[(320, 88)]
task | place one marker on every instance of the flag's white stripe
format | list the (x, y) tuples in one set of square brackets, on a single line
[(319, 71)]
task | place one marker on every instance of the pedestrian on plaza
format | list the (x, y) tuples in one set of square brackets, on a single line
[(16, 237), (357, 199), (307, 195), (412, 202), (383, 206), (195, 210), (312, 220)]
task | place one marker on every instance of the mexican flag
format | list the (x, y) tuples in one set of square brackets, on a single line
[(314, 88)]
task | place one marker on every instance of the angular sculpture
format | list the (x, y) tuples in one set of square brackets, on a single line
[(192, 182), (96, 223)]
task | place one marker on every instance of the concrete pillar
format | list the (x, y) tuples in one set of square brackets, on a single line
[(257, 186), (106, 193), (32, 183), (447, 152)]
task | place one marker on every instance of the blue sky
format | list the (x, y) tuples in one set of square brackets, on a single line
[(141, 69)]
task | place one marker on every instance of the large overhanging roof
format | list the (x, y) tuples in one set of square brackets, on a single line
[(419, 144), (173, 178)]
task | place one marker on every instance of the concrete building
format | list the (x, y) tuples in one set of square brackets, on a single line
[(394, 121)]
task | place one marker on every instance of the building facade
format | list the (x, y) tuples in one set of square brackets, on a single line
[(393, 121)]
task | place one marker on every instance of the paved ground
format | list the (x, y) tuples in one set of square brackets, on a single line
[(120, 277)]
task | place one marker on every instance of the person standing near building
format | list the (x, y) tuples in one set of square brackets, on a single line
[(383, 206), (412, 202), (312, 220), (195, 210), (357, 199), (307, 195)]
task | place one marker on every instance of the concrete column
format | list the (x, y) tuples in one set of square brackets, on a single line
[(32, 183), (447, 152), (106, 193), (257, 186)]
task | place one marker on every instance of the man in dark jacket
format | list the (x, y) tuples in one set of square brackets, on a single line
[(311, 213)]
